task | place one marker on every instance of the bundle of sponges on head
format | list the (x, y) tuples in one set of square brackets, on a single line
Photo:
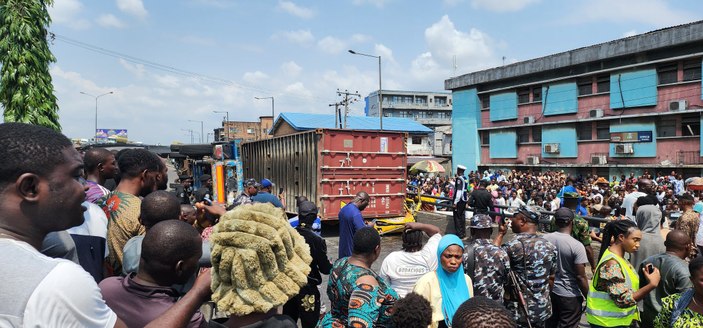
[(258, 261)]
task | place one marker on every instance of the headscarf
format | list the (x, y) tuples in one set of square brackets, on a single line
[(451, 285)]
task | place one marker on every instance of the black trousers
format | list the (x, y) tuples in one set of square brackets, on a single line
[(460, 219), (304, 306), (566, 311)]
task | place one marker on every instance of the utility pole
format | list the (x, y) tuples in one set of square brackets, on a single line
[(349, 98)]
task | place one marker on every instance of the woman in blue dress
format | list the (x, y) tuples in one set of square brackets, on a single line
[(358, 296)]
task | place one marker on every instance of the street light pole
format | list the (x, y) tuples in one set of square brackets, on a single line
[(191, 134), (224, 125), (202, 137), (95, 133), (272, 105), (380, 86)]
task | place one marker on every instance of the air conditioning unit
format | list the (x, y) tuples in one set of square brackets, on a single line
[(551, 148), (599, 160), (595, 113), (678, 105), (532, 160), (528, 120), (625, 148)]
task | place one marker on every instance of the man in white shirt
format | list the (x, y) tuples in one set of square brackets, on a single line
[(643, 188), (40, 192), (403, 268)]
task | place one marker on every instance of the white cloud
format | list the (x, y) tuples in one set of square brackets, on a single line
[(291, 69), (502, 5), (332, 45), (655, 12), (385, 53), (299, 89), (133, 7), (445, 42), (110, 21), (377, 3), (168, 81), (297, 36), (136, 69), (67, 12), (255, 78), (295, 10), (360, 38), (629, 33)]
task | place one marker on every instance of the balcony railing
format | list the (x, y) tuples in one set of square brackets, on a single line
[(689, 157)]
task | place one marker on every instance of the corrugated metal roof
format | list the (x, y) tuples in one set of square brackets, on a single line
[(303, 121)]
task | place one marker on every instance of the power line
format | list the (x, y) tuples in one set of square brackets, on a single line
[(170, 69)]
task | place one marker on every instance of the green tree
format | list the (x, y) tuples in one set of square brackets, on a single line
[(26, 91)]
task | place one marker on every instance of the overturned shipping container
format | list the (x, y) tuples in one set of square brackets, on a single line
[(330, 166)]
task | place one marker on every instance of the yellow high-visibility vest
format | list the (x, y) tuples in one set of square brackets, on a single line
[(600, 308)]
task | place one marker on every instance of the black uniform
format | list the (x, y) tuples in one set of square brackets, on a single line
[(306, 305), (460, 196)]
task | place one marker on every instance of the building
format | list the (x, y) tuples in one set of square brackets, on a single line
[(428, 108), (245, 131), (418, 144), (611, 108), (431, 109)]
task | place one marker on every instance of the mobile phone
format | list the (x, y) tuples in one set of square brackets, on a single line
[(650, 268), (280, 190)]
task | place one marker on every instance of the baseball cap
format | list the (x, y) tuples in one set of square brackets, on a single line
[(205, 177), (530, 213), (564, 214), (266, 183), (307, 208), (698, 208), (481, 221)]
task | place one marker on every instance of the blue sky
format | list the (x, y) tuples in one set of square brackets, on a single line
[(168, 62)]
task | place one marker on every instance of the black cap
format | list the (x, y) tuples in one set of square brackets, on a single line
[(184, 177), (530, 213), (564, 214), (205, 177), (306, 208)]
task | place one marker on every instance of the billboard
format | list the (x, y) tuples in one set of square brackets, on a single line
[(637, 136), (111, 135)]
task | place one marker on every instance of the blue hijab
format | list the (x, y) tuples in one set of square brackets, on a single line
[(451, 285)]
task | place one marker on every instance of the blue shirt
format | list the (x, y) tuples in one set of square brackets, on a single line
[(350, 220), (264, 197), (580, 210)]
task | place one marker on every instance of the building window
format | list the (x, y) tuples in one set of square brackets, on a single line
[(441, 115), (485, 138), (668, 73), (692, 70), (417, 140), (537, 133), (585, 86), (691, 125), (250, 131), (666, 127), (485, 101), (420, 114), (603, 83), (440, 101), (584, 131), (523, 96), (603, 130), (537, 94), (523, 135)]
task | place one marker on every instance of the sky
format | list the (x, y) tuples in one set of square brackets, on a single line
[(170, 63)]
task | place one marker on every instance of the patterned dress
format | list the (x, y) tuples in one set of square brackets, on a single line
[(122, 211), (353, 305), (687, 319)]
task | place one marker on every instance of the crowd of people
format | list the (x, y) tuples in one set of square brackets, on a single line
[(76, 251)]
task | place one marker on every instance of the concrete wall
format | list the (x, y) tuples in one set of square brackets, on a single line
[(466, 115)]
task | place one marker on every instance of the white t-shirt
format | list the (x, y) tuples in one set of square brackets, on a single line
[(95, 224), (629, 202), (65, 297), (403, 269)]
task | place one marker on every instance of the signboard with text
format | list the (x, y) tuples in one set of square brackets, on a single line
[(113, 135), (636, 136)]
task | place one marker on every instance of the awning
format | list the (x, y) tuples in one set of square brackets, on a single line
[(412, 160)]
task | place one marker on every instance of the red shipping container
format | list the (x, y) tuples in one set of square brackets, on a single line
[(330, 166)]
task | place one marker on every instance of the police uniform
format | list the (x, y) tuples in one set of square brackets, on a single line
[(459, 201), (533, 259), (491, 263)]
